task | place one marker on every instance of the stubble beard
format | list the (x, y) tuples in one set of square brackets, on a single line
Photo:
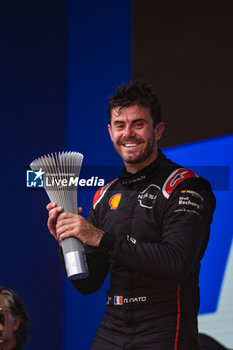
[(142, 156)]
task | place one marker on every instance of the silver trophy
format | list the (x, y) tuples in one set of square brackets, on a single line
[(60, 181)]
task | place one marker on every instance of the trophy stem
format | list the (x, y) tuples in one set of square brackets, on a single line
[(75, 259)]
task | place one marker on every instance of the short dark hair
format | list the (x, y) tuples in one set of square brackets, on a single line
[(17, 309), (137, 93)]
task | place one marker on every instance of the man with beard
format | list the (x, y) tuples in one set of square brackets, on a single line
[(14, 321), (152, 225)]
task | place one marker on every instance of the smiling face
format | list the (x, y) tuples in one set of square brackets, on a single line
[(134, 137), (8, 326)]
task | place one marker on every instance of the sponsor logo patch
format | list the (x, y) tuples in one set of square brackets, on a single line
[(193, 193), (147, 197), (114, 201), (187, 211), (187, 201), (131, 239), (190, 203)]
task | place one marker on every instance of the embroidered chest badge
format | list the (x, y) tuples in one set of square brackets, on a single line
[(114, 201), (148, 197)]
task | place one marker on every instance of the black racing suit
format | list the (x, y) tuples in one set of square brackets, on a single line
[(156, 225)]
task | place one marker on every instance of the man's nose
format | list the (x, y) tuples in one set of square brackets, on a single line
[(128, 131)]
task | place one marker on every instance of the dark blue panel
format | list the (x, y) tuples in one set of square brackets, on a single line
[(32, 123), (98, 60)]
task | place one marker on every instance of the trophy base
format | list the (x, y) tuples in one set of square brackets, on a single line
[(76, 265)]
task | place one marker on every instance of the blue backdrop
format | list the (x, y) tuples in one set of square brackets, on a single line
[(32, 123)]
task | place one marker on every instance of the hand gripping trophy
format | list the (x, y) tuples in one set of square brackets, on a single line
[(61, 173)]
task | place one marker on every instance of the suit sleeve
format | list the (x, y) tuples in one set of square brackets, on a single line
[(98, 266), (185, 233)]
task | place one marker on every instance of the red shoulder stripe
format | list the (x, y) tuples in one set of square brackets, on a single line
[(175, 179), (100, 193)]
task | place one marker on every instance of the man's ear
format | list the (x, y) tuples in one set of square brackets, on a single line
[(110, 130), (159, 130), (16, 325)]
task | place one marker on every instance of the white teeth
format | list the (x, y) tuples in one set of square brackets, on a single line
[(130, 145)]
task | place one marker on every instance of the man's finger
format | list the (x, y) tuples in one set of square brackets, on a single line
[(80, 210), (61, 221), (64, 228), (55, 211), (67, 234), (50, 206), (66, 215), (51, 223), (51, 227)]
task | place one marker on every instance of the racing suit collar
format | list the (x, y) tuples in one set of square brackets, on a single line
[(129, 178)]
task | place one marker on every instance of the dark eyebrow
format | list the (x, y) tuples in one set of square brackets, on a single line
[(139, 120), (134, 121), (118, 122)]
